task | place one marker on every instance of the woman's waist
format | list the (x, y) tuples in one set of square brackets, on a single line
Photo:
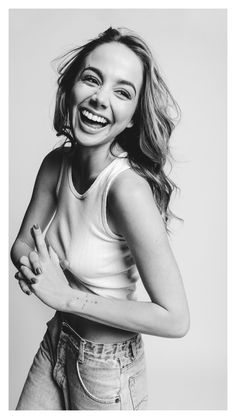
[(90, 329), (95, 331), (126, 350)]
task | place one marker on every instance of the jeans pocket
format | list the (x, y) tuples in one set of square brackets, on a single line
[(138, 390), (99, 383)]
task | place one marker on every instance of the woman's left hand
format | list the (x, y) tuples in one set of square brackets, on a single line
[(51, 286)]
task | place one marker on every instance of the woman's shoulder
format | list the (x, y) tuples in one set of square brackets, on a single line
[(50, 168), (130, 202), (129, 185), (56, 156)]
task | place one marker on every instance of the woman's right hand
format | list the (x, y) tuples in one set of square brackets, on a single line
[(32, 262)]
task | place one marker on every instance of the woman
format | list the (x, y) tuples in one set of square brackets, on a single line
[(105, 199)]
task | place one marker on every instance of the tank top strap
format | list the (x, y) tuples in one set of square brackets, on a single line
[(121, 165), (117, 171)]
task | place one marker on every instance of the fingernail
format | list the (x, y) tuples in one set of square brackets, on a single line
[(16, 275), (38, 270), (36, 226), (64, 264), (28, 292), (34, 280)]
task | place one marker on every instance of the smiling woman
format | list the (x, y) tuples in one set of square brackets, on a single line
[(105, 203), (108, 87)]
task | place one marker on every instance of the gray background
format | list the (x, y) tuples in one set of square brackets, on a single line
[(190, 47)]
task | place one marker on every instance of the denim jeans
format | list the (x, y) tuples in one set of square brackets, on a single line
[(72, 373)]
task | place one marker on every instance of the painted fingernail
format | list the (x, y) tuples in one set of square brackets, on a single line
[(34, 280), (38, 270), (28, 292), (36, 226)]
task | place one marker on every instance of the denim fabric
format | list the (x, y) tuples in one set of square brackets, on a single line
[(71, 373)]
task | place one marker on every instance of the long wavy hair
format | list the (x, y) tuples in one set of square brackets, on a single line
[(156, 115)]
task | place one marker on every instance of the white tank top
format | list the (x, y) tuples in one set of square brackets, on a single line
[(99, 260)]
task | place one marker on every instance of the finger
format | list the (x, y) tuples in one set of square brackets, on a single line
[(40, 242), (24, 287), (53, 256), (24, 260), (29, 275), (46, 242), (64, 264), (35, 262), (20, 276)]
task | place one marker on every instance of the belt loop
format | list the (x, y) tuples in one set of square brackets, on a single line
[(133, 349), (81, 351)]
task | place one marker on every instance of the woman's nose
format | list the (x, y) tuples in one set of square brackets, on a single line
[(100, 98)]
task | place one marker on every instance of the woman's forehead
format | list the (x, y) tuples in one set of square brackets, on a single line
[(117, 60)]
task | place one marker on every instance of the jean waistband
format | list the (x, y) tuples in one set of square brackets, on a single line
[(129, 347)]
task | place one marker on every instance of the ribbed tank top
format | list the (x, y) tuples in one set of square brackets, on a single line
[(99, 260)]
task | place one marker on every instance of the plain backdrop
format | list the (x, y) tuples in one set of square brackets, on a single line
[(190, 47)]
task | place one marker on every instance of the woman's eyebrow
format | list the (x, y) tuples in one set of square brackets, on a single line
[(99, 73), (127, 83), (95, 70)]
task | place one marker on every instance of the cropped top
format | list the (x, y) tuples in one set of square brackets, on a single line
[(99, 260)]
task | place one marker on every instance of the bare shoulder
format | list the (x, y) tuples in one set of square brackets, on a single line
[(132, 208), (52, 161), (129, 186), (43, 200), (50, 168)]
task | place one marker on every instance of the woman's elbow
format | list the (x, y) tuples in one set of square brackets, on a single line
[(174, 324), (180, 324), (12, 251)]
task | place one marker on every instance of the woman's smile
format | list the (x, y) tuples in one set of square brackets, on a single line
[(91, 121)]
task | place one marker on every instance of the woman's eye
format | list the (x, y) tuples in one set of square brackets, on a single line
[(91, 79), (123, 93)]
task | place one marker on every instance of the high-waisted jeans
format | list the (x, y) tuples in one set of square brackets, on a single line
[(72, 373)]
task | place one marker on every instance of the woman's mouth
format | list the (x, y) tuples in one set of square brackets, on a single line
[(92, 120)]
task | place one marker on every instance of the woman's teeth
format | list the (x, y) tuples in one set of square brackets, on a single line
[(93, 117)]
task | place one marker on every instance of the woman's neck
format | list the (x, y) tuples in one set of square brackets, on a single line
[(89, 162)]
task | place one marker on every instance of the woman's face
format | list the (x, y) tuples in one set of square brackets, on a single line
[(105, 95)]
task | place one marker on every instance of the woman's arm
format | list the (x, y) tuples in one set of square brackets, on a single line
[(140, 222), (41, 207), (136, 217)]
